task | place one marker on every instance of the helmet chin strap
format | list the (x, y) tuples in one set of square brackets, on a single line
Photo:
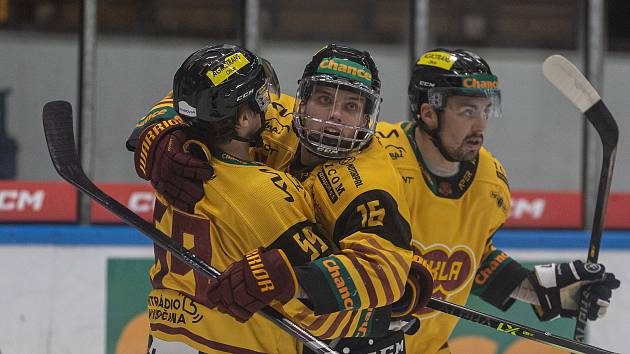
[(435, 139)]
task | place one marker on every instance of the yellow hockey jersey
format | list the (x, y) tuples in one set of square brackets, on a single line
[(360, 205), (247, 205), (454, 220)]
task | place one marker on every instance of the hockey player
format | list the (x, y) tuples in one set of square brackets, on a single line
[(358, 200), (446, 165), (250, 213), (221, 93), (459, 197)]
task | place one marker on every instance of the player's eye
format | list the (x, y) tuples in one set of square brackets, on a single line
[(324, 99), (468, 112), (352, 107)]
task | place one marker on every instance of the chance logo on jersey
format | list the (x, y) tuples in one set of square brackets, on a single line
[(451, 269)]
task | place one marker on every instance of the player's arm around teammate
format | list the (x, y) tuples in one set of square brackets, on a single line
[(245, 206), (252, 218)]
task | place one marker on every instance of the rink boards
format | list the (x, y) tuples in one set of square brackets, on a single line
[(68, 288)]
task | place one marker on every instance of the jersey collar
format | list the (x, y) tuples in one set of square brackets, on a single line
[(452, 187), (229, 159)]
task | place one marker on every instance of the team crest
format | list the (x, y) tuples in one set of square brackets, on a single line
[(451, 268), (445, 189)]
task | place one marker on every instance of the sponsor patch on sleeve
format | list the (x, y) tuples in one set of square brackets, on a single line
[(340, 282)]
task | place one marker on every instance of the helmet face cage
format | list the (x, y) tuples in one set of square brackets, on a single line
[(442, 73), (335, 118), (213, 82), (337, 102)]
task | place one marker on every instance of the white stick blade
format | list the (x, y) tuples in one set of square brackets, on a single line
[(570, 81)]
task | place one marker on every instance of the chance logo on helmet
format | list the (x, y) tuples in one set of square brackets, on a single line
[(480, 82), (345, 68)]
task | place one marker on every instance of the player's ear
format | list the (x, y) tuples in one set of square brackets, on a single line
[(428, 115), (244, 117)]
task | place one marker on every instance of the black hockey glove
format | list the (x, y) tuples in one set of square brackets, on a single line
[(558, 288)]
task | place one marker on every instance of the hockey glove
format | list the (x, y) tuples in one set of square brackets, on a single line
[(176, 175), (558, 287), (418, 290), (253, 283)]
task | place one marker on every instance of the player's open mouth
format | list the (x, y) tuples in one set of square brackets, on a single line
[(332, 131)]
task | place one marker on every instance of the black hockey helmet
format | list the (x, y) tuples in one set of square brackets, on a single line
[(360, 60), (441, 72), (341, 68), (214, 81)]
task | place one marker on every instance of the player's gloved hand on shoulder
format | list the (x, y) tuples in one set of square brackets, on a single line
[(418, 290), (558, 287), (176, 175), (252, 283)]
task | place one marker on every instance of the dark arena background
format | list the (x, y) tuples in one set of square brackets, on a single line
[(75, 279)]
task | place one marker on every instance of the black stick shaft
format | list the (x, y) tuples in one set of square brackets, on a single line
[(604, 123), (60, 140), (513, 328)]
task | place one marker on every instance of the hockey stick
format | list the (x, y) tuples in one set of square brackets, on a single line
[(570, 81), (60, 140), (513, 328), (57, 116)]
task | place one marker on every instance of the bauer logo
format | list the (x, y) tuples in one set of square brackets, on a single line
[(441, 60), (345, 68), (395, 152), (274, 126), (231, 65)]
